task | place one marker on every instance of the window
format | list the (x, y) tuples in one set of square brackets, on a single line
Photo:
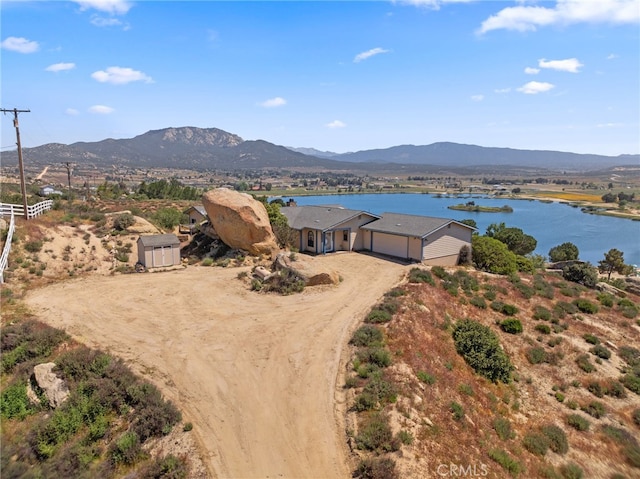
[(310, 239), (345, 235)]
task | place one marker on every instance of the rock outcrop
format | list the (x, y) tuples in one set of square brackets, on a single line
[(240, 221), (54, 388), (306, 269)]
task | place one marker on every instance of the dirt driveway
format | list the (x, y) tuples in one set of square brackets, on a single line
[(256, 374)]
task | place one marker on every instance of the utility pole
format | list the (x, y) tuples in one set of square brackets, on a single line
[(69, 167), (23, 185)]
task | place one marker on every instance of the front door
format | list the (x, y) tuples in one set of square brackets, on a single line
[(328, 242)]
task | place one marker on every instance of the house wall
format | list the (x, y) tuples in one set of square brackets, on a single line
[(195, 216), (443, 247), (317, 244), (415, 248)]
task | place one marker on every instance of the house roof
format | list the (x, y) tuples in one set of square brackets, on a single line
[(409, 225), (320, 217), (159, 240), (199, 208)]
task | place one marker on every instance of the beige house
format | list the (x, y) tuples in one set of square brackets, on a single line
[(433, 241), (156, 251), (324, 229), (196, 214)]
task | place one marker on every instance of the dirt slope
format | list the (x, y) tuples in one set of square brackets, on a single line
[(255, 373)]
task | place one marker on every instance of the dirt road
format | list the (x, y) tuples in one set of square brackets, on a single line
[(256, 374)]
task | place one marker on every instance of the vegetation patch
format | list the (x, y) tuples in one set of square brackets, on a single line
[(508, 463)]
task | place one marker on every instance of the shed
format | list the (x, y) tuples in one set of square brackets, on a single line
[(434, 241), (156, 251), (197, 214)]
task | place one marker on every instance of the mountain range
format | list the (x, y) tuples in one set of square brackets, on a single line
[(212, 148)]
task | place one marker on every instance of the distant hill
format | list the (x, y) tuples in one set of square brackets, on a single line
[(212, 148), (458, 155)]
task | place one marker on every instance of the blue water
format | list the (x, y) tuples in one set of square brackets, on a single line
[(549, 223)]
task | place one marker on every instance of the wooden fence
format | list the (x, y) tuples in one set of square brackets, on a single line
[(7, 209)]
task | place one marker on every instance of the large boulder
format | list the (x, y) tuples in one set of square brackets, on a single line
[(306, 269), (240, 221), (54, 388)]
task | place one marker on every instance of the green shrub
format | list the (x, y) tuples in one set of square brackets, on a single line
[(405, 437), (208, 261), (377, 392), (14, 403), (584, 363), (632, 382), (506, 309), (591, 339), (187, 427), (492, 255), (480, 348), (585, 306), (595, 409), (562, 308), (478, 302), (525, 290), (465, 389), (123, 221), (630, 355), (601, 351), (557, 438), (167, 467), (541, 313), (126, 449), (571, 471), (578, 422), (396, 292), (378, 316), (606, 299), (376, 468), (536, 355), (457, 410), (503, 458), (374, 355), (636, 416), (33, 246), (582, 273), (418, 275), (425, 377), (367, 335), (543, 328), (511, 326), (375, 435), (536, 443), (503, 429), (595, 388)]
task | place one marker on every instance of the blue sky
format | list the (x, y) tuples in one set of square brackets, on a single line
[(339, 76)]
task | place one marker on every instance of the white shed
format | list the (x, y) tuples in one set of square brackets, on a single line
[(156, 251)]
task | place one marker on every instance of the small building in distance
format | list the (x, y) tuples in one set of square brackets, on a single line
[(157, 251)]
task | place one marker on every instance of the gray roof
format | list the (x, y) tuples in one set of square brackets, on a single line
[(199, 208), (409, 225), (159, 240), (320, 217)]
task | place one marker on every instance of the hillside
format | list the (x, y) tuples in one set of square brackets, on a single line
[(212, 148), (568, 370)]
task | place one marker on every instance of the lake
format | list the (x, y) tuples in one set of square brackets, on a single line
[(549, 223)]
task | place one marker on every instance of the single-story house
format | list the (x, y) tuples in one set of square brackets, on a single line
[(434, 241), (48, 190), (196, 214), (324, 229), (156, 251)]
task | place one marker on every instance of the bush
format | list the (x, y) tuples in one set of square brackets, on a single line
[(507, 462), (585, 306), (536, 355), (418, 275), (595, 409), (562, 308), (541, 313), (557, 438), (457, 410), (543, 328), (581, 273), (536, 443), (376, 468), (478, 302), (493, 256), (33, 246), (378, 316), (591, 338), (600, 351), (367, 335), (14, 402), (502, 426), (584, 363), (123, 221), (126, 449), (168, 467), (630, 355), (480, 348), (511, 326), (375, 435), (425, 377), (605, 299), (571, 471), (374, 355), (636, 416), (578, 422), (632, 382)]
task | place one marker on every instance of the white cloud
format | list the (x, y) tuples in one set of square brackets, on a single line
[(368, 54), (502, 90), (477, 97), (99, 21), (59, 67), (336, 124), (610, 125), (565, 12), (571, 65), (535, 87), (434, 4), (20, 45), (72, 112), (274, 102), (120, 76), (101, 109), (612, 56), (531, 71), (114, 7)]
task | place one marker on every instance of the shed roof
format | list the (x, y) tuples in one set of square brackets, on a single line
[(199, 208), (320, 217), (159, 240), (409, 225)]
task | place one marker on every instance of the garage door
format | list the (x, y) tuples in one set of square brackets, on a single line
[(392, 245), (162, 256)]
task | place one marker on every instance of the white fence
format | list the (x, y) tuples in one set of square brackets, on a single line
[(7, 209), (4, 259)]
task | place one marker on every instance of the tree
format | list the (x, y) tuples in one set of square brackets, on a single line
[(469, 222), (613, 262), (564, 252), (123, 221), (491, 255), (515, 239), (581, 273), (609, 198)]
